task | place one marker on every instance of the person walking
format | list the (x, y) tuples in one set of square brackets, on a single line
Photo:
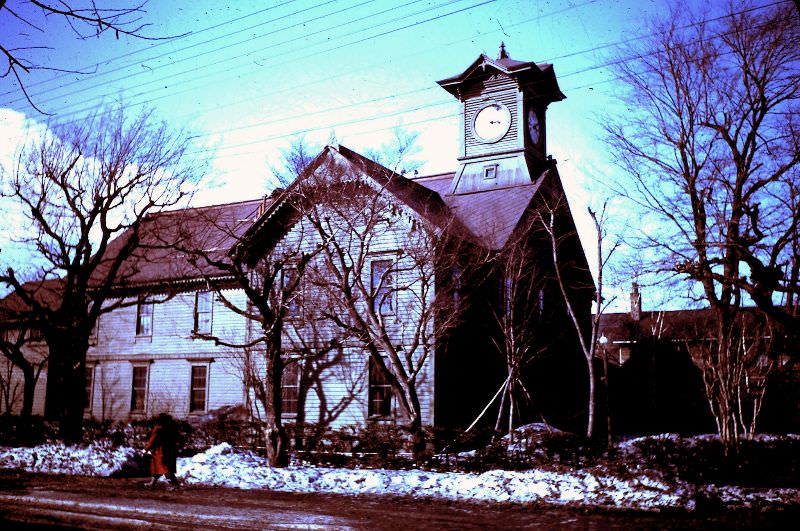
[(163, 447)]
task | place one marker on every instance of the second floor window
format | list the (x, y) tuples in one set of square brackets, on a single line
[(144, 318), (291, 288), (93, 334), (203, 311), (382, 287)]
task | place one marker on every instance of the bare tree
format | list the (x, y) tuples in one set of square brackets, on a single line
[(711, 147), (18, 347), (86, 19), (86, 190), (549, 215), (523, 335), (399, 153), (384, 274)]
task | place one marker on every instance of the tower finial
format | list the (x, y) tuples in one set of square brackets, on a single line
[(503, 53)]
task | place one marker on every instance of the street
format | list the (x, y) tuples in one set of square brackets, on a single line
[(31, 501)]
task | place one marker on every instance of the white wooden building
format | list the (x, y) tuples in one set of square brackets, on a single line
[(147, 357)]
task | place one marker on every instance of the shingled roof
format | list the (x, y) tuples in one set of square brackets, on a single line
[(167, 239), (488, 217)]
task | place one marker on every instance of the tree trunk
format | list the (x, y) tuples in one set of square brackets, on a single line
[(609, 439), (28, 390), (590, 422), (66, 387), (274, 433)]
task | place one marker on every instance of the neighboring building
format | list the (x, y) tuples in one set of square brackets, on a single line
[(656, 373), (147, 357)]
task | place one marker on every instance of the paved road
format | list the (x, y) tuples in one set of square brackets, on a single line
[(29, 501)]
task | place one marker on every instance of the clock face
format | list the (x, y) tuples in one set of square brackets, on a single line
[(534, 127), (491, 123)]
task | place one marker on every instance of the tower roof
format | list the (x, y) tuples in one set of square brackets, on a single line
[(540, 76)]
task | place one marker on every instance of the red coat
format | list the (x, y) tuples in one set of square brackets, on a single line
[(163, 446)]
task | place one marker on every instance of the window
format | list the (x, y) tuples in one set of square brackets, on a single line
[(144, 318), (139, 388), (489, 172), (380, 392), (541, 301), (456, 280), (94, 332), (203, 311), (35, 334), (291, 287), (89, 387), (197, 393), (290, 388), (508, 295), (382, 283)]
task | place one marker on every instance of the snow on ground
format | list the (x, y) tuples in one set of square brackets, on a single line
[(223, 466), (92, 460)]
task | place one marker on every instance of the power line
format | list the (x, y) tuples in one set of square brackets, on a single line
[(161, 43), (227, 46), (376, 117)]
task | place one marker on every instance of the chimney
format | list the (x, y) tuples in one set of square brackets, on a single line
[(636, 303)]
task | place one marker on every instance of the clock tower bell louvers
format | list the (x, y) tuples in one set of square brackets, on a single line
[(503, 126)]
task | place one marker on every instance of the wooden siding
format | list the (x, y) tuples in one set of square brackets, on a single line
[(13, 381), (509, 171), (169, 353), (480, 92)]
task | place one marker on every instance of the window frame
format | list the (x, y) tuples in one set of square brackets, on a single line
[(209, 311), (195, 389), (141, 304), (94, 333), (490, 172), (380, 395), (34, 334), (89, 387), (386, 284), (294, 306), (293, 369), (144, 390)]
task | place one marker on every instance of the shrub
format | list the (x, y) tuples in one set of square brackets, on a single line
[(31, 431)]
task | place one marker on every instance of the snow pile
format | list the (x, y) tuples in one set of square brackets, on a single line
[(221, 466), (598, 486), (92, 460)]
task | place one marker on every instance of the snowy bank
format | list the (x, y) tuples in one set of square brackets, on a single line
[(221, 466), (91, 460), (596, 487)]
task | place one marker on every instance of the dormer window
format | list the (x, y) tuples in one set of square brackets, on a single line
[(490, 172)]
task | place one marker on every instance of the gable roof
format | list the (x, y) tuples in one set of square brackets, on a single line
[(423, 201), (488, 218)]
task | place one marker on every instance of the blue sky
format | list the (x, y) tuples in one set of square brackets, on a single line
[(249, 77)]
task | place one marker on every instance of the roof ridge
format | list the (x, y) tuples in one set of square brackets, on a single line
[(207, 207)]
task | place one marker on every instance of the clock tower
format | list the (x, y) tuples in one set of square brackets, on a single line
[(503, 140)]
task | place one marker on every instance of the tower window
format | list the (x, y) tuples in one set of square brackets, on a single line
[(490, 172)]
